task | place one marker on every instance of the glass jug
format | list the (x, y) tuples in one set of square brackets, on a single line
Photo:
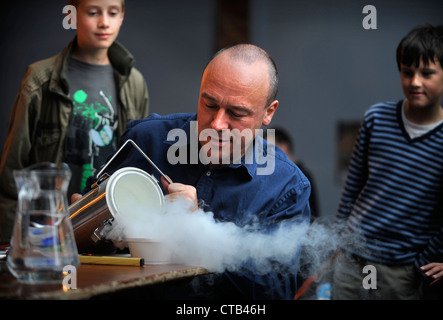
[(42, 242)]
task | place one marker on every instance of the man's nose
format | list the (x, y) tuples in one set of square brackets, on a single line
[(220, 120)]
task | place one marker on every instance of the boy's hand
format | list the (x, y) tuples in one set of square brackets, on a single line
[(433, 270)]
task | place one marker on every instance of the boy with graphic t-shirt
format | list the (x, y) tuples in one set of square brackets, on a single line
[(73, 107), (392, 199), (90, 136)]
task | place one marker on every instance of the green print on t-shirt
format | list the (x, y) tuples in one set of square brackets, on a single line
[(101, 125)]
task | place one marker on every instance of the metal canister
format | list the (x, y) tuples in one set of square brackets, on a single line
[(92, 215)]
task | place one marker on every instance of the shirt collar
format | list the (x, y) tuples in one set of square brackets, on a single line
[(121, 59)]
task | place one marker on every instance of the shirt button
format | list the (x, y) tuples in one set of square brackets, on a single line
[(208, 173)]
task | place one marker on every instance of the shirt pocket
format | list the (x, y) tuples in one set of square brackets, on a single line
[(48, 137), (46, 145)]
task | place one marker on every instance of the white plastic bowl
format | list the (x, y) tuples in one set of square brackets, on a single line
[(153, 252)]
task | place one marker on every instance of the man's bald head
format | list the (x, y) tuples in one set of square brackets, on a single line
[(250, 54)]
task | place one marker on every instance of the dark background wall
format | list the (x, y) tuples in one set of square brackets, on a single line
[(331, 68)]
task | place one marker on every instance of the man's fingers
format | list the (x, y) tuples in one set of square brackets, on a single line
[(75, 197), (165, 184)]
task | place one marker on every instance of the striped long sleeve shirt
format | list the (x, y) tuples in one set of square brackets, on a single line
[(392, 199)]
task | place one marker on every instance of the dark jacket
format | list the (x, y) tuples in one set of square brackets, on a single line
[(41, 114)]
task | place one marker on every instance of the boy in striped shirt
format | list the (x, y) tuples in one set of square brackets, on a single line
[(392, 199)]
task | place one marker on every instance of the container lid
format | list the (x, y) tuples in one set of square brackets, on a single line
[(131, 188)]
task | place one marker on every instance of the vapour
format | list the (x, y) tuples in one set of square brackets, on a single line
[(196, 238)]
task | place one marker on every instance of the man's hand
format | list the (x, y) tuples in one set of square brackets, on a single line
[(75, 197), (178, 190)]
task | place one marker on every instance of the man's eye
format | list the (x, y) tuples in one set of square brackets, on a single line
[(236, 115), (210, 106)]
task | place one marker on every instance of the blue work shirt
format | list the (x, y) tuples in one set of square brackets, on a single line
[(233, 192)]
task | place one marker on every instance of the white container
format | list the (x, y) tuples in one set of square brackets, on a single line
[(153, 252)]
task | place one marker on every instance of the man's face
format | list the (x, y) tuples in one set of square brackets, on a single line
[(423, 85), (98, 23), (233, 95)]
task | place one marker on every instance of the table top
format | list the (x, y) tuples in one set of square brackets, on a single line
[(94, 280)]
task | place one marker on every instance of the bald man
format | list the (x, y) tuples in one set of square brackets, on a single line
[(217, 159)]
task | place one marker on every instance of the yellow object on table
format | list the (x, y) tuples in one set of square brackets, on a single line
[(111, 260)]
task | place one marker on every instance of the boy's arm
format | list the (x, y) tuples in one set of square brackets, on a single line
[(16, 154), (432, 253), (357, 174)]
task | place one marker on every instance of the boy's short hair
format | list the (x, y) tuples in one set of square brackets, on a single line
[(424, 42), (75, 3)]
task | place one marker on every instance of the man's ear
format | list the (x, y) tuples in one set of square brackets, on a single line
[(269, 113)]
